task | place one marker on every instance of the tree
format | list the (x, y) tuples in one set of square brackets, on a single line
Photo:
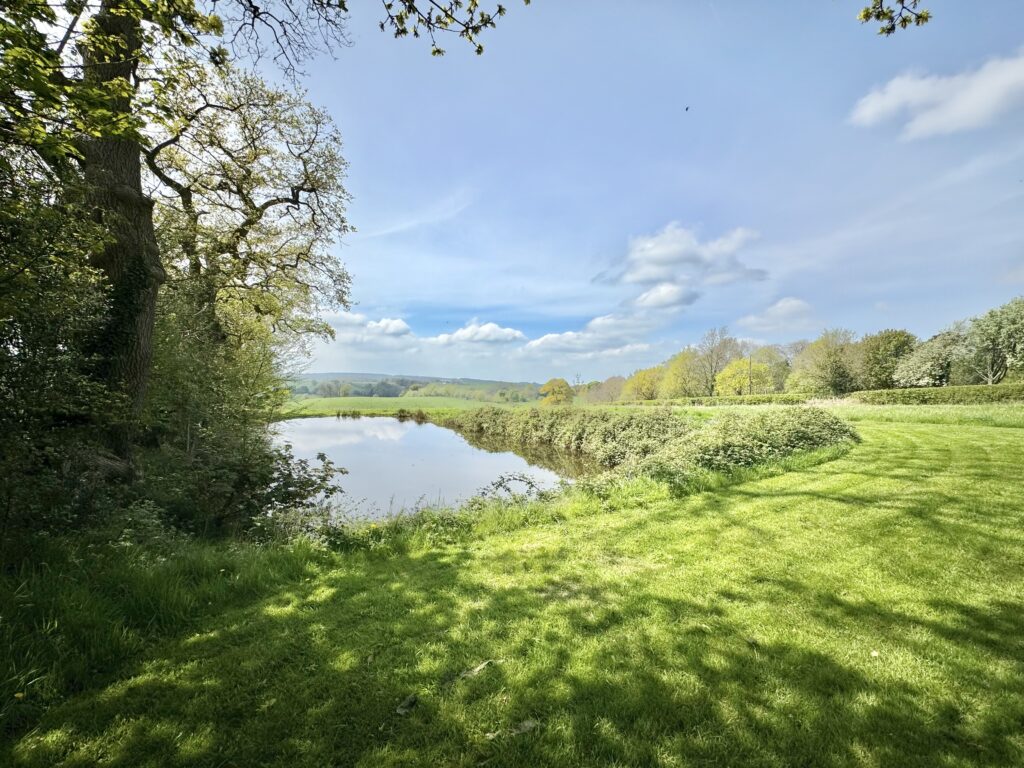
[(642, 385), (681, 376), (250, 183), (51, 301), (556, 392), (982, 352), (895, 15), (607, 391), (930, 364), (778, 364), (744, 377), (826, 366), (1011, 331), (994, 342), (880, 354), (715, 351), (96, 113)]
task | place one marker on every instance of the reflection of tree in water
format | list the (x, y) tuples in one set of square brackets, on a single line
[(561, 462)]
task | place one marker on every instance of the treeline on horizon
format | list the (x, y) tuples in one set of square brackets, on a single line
[(400, 386), (988, 349)]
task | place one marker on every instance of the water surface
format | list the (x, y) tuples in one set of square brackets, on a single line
[(396, 466)]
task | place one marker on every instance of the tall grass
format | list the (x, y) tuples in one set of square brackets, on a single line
[(75, 612)]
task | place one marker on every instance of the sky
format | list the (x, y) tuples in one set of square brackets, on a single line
[(609, 180)]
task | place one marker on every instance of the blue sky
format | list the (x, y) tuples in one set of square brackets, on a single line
[(552, 207)]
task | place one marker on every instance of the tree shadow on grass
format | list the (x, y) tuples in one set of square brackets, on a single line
[(529, 660)]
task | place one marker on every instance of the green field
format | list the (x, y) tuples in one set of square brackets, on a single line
[(991, 415), (373, 406), (863, 611)]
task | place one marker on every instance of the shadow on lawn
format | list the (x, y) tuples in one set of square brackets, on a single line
[(609, 674)]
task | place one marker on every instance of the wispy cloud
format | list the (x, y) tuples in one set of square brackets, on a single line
[(602, 334), (785, 315), (437, 212), (936, 105)]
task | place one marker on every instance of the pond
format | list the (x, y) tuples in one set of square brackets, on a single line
[(395, 466)]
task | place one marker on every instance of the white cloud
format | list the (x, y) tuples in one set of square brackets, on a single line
[(937, 105), (353, 328), (601, 335), (665, 295), (676, 255), (786, 314), (626, 350), (475, 332), (389, 326), (347, 320)]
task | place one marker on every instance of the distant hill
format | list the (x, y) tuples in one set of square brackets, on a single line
[(372, 378), (356, 384)]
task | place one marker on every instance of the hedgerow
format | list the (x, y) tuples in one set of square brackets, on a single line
[(778, 398), (668, 447), (965, 395), (736, 441), (605, 438)]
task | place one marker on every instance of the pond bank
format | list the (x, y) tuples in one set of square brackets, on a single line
[(867, 609)]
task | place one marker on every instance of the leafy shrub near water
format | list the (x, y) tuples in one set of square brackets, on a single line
[(607, 438), (663, 445), (737, 441), (965, 395)]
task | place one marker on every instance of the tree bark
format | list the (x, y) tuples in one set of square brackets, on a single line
[(130, 259)]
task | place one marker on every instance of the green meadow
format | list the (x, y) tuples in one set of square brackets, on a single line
[(372, 406), (855, 607)]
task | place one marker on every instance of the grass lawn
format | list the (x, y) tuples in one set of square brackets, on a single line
[(374, 406), (864, 611)]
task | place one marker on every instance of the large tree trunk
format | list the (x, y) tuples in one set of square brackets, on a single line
[(130, 260)]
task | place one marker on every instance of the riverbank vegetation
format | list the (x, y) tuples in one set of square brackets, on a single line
[(664, 445), (496, 638)]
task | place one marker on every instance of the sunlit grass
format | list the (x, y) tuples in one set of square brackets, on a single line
[(863, 611)]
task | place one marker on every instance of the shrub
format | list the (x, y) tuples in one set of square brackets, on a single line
[(735, 441), (659, 444), (607, 438), (776, 398), (968, 395)]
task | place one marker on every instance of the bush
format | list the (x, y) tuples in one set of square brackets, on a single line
[(659, 444), (777, 398), (606, 438), (736, 441), (969, 395)]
